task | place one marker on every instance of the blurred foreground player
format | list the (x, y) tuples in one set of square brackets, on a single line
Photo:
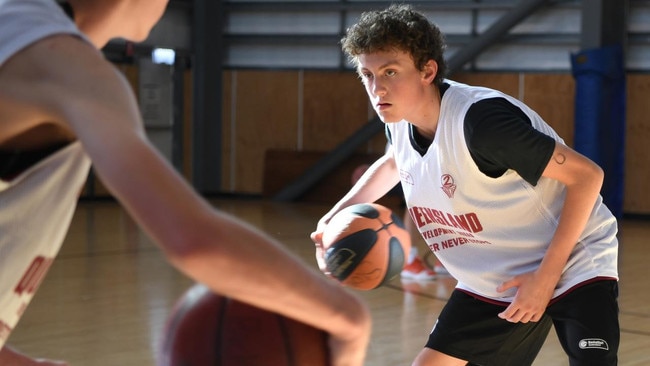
[(63, 106)]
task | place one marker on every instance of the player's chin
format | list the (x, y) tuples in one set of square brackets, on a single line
[(386, 118)]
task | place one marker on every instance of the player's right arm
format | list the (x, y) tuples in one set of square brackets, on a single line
[(66, 81), (375, 182)]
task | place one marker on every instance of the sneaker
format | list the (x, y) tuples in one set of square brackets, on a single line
[(440, 269), (417, 270)]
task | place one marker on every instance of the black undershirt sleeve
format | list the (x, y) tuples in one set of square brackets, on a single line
[(500, 136)]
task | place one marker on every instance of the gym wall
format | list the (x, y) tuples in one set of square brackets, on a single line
[(311, 112)]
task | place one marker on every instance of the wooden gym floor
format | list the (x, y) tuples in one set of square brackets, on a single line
[(107, 296)]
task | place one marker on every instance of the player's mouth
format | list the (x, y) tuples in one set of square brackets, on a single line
[(382, 106)]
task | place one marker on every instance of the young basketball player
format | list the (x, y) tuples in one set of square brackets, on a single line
[(512, 212), (63, 106)]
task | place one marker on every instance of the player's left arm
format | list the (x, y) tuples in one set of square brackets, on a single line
[(583, 179)]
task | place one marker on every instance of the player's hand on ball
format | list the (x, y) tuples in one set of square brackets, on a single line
[(320, 257), (317, 238), (363, 246)]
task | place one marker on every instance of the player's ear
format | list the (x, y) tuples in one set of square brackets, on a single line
[(429, 71)]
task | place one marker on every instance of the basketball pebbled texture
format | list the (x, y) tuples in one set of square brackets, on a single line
[(365, 246), (206, 329)]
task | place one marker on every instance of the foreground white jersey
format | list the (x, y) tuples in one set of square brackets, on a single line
[(35, 212), (36, 206), (22, 22), (486, 230)]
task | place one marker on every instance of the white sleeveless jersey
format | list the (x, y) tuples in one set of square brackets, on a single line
[(35, 212), (36, 206), (22, 22), (486, 230)]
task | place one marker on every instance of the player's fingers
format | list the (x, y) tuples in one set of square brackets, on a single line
[(503, 314), (508, 314), (320, 258), (317, 237), (508, 285), (527, 317), (520, 316)]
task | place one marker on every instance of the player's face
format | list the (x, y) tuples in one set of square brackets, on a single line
[(396, 88)]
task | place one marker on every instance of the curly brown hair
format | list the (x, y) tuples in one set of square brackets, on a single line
[(397, 27)]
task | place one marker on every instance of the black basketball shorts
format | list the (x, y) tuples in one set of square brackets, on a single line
[(585, 319)]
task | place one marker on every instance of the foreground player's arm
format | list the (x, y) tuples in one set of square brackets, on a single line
[(86, 94), (583, 180)]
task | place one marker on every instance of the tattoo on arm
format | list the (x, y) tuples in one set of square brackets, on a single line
[(559, 158)]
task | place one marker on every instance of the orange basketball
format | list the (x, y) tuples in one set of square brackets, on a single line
[(208, 329), (365, 245)]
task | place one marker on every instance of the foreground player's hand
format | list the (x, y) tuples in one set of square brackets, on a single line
[(530, 301)]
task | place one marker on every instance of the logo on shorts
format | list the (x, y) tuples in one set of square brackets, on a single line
[(593, 343)]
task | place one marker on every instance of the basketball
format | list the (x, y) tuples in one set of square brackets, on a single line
[(206, 329), (365, 246)]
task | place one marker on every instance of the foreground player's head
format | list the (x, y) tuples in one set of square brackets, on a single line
[(103, 20)]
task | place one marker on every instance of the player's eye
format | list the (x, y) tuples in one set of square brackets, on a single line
[(365, 76)]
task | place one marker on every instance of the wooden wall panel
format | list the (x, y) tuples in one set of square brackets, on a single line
[(265, 116), (283, 167), (330, 97), (335, 106), (552, 97), (636, 199), (507, 83)]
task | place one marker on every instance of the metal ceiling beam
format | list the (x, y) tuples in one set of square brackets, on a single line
[(275, 6), (499, 29), (604, 23)]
